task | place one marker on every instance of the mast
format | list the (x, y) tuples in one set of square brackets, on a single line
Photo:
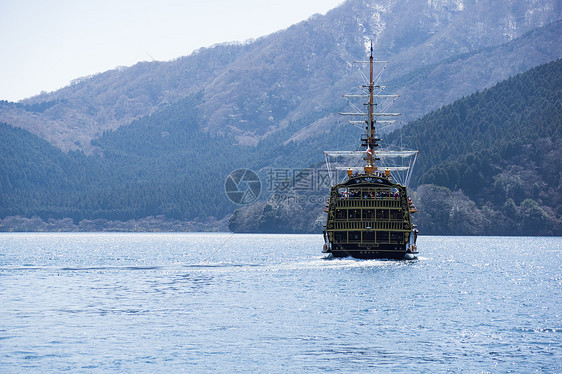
[(371, 109), (371, 141), (372, 117)]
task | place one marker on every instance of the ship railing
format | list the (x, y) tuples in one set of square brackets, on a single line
[(368, 238), (368, 219), (363, 225), (369, 214), (383, 203)]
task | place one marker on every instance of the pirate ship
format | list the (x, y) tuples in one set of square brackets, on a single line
[(369, 212)]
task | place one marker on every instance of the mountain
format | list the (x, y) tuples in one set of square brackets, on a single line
[(442, 50), (160, 138), (489, 164)]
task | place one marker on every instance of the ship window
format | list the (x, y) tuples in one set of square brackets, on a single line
[(341, 213), (382, 214), (382, 236), (368, 214), (354, 193), (382, 193), (365, 193), (354, 214), (340, 236), (395, 236), (369, 236), (342, 192), (354, 236), (395, 214)]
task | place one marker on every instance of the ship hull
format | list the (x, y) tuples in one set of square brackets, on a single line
[(369, 217), (391, 252)]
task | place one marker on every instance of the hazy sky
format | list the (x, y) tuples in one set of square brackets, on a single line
[(47, 43)]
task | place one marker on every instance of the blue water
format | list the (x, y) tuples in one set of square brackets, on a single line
[(270, 303)]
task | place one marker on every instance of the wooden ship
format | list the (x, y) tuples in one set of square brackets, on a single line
[(369, 212)]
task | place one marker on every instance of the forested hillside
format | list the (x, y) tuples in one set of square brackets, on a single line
[(502, 148), (154, 166), (37, 178)]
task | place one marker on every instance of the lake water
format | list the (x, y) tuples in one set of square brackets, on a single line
[(105, 302)]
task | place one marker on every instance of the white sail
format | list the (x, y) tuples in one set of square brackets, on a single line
[(399, 163), (361, 168), (385, 154)]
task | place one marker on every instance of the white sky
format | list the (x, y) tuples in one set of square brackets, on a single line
[(44, 44)]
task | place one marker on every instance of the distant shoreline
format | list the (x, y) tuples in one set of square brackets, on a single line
[(147, 224), (158, 224)]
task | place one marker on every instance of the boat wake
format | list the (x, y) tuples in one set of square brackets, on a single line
[(313, 263)]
